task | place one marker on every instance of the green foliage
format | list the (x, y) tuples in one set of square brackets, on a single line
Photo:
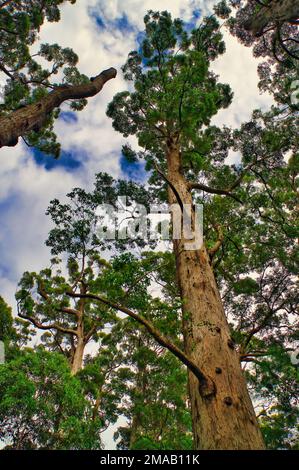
[(275, 379), (175, 94), (42, 406), (7, 331)]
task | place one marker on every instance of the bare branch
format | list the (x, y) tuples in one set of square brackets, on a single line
[(33, 116), (206, 384), (4, 4), (207, 189)]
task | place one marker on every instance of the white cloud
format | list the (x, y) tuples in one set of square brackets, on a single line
[(237, 67)]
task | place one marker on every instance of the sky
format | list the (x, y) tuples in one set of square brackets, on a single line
[(102, 33)]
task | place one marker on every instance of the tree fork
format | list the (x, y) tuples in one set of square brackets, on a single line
[(33, 116)]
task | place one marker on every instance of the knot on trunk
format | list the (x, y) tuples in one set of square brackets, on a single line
[(207, 388)]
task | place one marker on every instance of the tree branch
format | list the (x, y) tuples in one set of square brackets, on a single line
[(32, 116), (206, 385), (207, 189), (7, 72)]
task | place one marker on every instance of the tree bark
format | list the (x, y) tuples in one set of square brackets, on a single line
[(223, 417), (77, 360), (32, 117), (278, 11)]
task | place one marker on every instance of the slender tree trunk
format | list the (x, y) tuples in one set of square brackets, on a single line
[(33, 116), (223, 417), (77, 360), (78, 357)]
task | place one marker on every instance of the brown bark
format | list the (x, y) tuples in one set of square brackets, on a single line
[(77, 359), (224, 419), (32, 117), (278, 11)]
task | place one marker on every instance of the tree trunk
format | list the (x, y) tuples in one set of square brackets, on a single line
[(277, 11), (33, 116), (77, 360), (223, 417)]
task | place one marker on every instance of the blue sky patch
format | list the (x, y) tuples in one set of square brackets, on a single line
[(134, 171), (70, 161), (123, 24), (68, 116)]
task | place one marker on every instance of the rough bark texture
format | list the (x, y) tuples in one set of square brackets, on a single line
[(278, 11), (223, 416), (32, 117), (77, 359)]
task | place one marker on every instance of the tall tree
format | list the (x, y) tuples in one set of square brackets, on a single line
[(175, 95), (32, 96), (120, 378)]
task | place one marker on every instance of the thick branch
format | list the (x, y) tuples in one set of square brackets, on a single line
[(204, 381), (33, 116), (4, 4), (7, 72)]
